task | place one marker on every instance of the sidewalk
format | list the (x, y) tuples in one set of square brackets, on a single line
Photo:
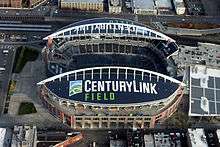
[(26, 91)]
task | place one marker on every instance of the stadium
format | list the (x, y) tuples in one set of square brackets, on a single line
[(110, 73)]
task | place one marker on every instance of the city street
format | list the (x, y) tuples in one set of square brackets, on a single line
[(101, 137), (67, 17), (6, 61)]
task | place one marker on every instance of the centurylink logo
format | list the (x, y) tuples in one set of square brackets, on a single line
[(75, 87), (107, 90)]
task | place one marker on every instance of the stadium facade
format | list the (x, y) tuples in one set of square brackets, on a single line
[(110, 73)]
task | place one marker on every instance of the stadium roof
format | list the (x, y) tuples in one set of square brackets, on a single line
[(85, 56), (204, 91), (109, 27), (101, 20), (134, 92), (110, 67)]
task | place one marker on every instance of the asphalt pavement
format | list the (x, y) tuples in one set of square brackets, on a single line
[(48, 14), (101, 137), (71, 16)]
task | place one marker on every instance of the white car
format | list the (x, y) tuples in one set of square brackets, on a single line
[(2, 69), (5, 51)]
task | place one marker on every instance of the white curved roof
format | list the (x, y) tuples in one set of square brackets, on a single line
[(165, 77), (120, 73), (107, 27)]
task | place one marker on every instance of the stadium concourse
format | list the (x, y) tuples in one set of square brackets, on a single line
[(110, 73)]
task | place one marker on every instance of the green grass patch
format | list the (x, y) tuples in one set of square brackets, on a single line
[(25, 3), (26, 108), (12, 87), (23, 55)]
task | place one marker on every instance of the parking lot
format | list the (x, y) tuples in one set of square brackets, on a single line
[(6, 64)]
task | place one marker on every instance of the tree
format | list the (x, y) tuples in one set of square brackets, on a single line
[(25, 3), (178, 120)]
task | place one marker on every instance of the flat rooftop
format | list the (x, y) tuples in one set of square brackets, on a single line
[(2, 136), (164, 4), (5, 137), (218, 134), (143, 4), (204, 91), (197, 137), (83, 1)]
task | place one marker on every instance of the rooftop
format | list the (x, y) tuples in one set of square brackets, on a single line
[(5, 137), (218, 134), (164, 4), (60, 85), (196, 54), (204, 91), (148, 140), (117, 143), (2, 136), (115, 3), (25, 135), (83, 1), (168, 139), (143, 4), (197, 137), (101, 20), (211, 137)]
